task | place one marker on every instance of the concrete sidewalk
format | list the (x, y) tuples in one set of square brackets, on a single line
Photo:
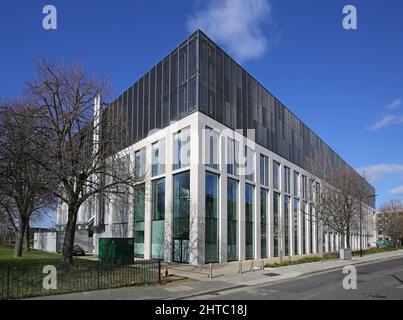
[(225, 277)]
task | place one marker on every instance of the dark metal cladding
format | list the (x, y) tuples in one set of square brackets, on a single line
[(200, 76)]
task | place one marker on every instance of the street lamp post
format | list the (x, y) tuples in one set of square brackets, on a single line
[(361, 199)]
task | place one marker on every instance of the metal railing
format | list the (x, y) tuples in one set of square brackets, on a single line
[(21, 281)]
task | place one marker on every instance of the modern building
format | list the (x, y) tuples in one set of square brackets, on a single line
[(227, 166)]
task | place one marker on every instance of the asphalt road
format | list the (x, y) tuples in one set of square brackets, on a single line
[(377, 281)]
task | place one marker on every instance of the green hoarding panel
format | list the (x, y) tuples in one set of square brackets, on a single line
[(116, 250)]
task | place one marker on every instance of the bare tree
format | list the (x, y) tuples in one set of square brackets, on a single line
[(338, 199), (81, 138), (22, 180), (390, 220)]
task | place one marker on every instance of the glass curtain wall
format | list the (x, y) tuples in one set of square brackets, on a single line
[(232, 196), (264, 170), (296, 224), (276, 173), (249, 221), (304, 220), (276, 212), (158, 219), (181, 216), (158, 158), (211, 206), (211, 148), (139, 221), (286, 226), (263, 222), (182, 148)]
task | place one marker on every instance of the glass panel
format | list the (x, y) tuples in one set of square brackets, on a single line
[(296, 223), (249, 234), (304, 222), (232, 192), (311, 249), (182, 149), (211, 148), (158, 219), (304, 186), (276, 172), (276, 203), (181, 214), (286, 226), (139, 222), (250, 164), (211, 205), (296, 184), (263, 221), (158, 158), (264, 170), (287, 180), (139, 162), (231, 156)]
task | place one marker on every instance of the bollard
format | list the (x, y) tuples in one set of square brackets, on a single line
[(210, 273), (262, 264), (240, 267), (251, 266)]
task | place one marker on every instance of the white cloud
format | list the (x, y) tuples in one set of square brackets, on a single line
[(377, 172), (395, 104), (397, 191), (384, 122), (237, 25)]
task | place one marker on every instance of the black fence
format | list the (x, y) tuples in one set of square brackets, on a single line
[(20, 281)]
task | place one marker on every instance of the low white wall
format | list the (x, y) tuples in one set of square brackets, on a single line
[(45, 241)]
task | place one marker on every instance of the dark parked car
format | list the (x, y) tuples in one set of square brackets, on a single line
[(78, 251)]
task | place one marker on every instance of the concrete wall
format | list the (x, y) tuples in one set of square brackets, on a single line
[(46, 241)]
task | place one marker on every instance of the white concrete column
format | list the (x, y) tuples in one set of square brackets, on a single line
[(168, 226), (197, 195), (148, 205)]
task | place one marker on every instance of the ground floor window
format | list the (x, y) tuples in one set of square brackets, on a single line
[(286, 225), (276, 203), (158, 219), (304, 222), (296, 219), (211, 206), (311, 228), (232, 248), (263, 222), (249, 234), (139, 221), (181, 216)]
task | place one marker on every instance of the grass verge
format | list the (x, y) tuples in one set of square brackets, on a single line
[(327, 256), (23, 277)]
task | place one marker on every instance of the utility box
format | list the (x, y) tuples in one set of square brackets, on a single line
[(116, 250)]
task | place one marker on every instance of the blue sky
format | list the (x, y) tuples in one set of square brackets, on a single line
[(345, 85)]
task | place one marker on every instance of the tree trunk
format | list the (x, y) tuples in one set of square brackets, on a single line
[(27, 234), (20, 238), (348, 240), (68, 244)]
